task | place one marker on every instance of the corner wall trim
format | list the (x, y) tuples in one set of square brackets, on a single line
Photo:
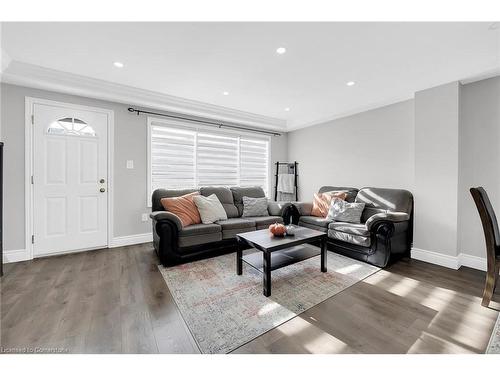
[(449, 261), (131, 240), (473, 262), (11, 256)]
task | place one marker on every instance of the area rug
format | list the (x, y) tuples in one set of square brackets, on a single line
[(494, 344), (224, 311)]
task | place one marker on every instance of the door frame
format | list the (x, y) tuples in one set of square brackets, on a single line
[(28, 166)]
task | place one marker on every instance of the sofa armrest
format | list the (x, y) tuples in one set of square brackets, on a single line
[(304, 208), (277, 208), (393, 217), (164, 215)]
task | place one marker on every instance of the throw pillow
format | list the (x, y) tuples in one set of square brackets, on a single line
[(254, 207), (322, 202), (340, 210), (210, 208), (183, 207)]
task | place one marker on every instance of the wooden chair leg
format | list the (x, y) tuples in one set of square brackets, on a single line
[(489, 287)]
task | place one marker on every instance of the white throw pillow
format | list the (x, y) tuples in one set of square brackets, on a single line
[(341, 210), (210, 208)]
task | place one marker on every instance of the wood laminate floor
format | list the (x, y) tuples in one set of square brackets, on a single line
[(116, 301)]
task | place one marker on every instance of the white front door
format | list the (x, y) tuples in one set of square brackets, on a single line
[(70, 179)]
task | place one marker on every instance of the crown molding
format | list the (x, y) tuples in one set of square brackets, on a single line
[(355, 111), (481, 76), (5, 60), (22, 74)]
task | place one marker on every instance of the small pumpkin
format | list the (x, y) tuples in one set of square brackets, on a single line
[(278, 230)]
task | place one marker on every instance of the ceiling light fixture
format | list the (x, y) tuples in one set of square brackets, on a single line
[(281, 50), (287, 109), (350, 83), (225, 93), (118, 64)]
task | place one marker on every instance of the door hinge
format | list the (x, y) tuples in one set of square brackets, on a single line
[(32, 119), (32, 238), (32, 180)]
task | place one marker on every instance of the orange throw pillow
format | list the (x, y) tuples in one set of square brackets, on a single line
[(322, 201), (183, 207)]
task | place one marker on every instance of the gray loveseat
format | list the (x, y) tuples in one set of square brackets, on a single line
[(175, 244), (385, 231)]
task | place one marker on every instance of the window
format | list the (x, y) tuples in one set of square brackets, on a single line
[(71, 126), (182, 157)]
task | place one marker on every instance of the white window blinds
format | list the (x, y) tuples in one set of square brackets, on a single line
[(184, 158)]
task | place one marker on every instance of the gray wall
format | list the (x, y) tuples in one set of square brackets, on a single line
[(436, 168), (479, 159), (373, 148), (130, 144)]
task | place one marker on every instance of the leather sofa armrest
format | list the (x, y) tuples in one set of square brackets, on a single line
[(393, 217), (164, 215), (277, 208), (304, 208)]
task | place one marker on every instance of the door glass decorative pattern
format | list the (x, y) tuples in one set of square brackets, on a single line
[(71, 126)]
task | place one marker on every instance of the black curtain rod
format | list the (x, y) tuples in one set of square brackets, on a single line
[(213, 123)]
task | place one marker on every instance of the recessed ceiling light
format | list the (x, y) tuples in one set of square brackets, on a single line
[(118, 64), (287, 109), (225, 93), (350, 83), (281, 50)]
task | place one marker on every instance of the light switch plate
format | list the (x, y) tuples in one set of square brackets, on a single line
[(145, 217), (130, 164)]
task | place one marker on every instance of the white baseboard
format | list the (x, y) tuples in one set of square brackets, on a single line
[(11, 256), (131, 240), (449, 261), (444, 260), (473, 261)]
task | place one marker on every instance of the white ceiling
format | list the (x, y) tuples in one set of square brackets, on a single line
[(199, 61)]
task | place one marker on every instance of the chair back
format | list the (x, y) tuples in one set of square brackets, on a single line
[(488, 220)]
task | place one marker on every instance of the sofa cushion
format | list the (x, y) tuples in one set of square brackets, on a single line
[(351, 228), (263, 222), (348, 237), (314, 222), (254, 207), (240, 192), (198, 234), (225, 197), (196, 229), (236, 223), (386, 199), (231, 233), (158, 194)]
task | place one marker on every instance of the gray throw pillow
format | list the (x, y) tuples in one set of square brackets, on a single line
[(341, 210), (254, 207)]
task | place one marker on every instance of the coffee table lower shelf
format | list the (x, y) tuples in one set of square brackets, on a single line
[(282, 258)]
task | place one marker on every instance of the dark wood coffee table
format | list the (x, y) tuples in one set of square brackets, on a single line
[(279, 252)]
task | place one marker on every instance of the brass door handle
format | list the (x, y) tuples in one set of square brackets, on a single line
[(102, 190)]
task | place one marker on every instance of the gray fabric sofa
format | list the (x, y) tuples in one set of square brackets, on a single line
[(175, 244), (385, 231)]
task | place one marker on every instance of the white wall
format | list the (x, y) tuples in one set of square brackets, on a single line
[(373, 148), (479, 159), (130, 185), (436, 168)]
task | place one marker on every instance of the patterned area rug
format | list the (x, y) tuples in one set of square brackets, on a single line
[(224, 311), (494, 344)]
